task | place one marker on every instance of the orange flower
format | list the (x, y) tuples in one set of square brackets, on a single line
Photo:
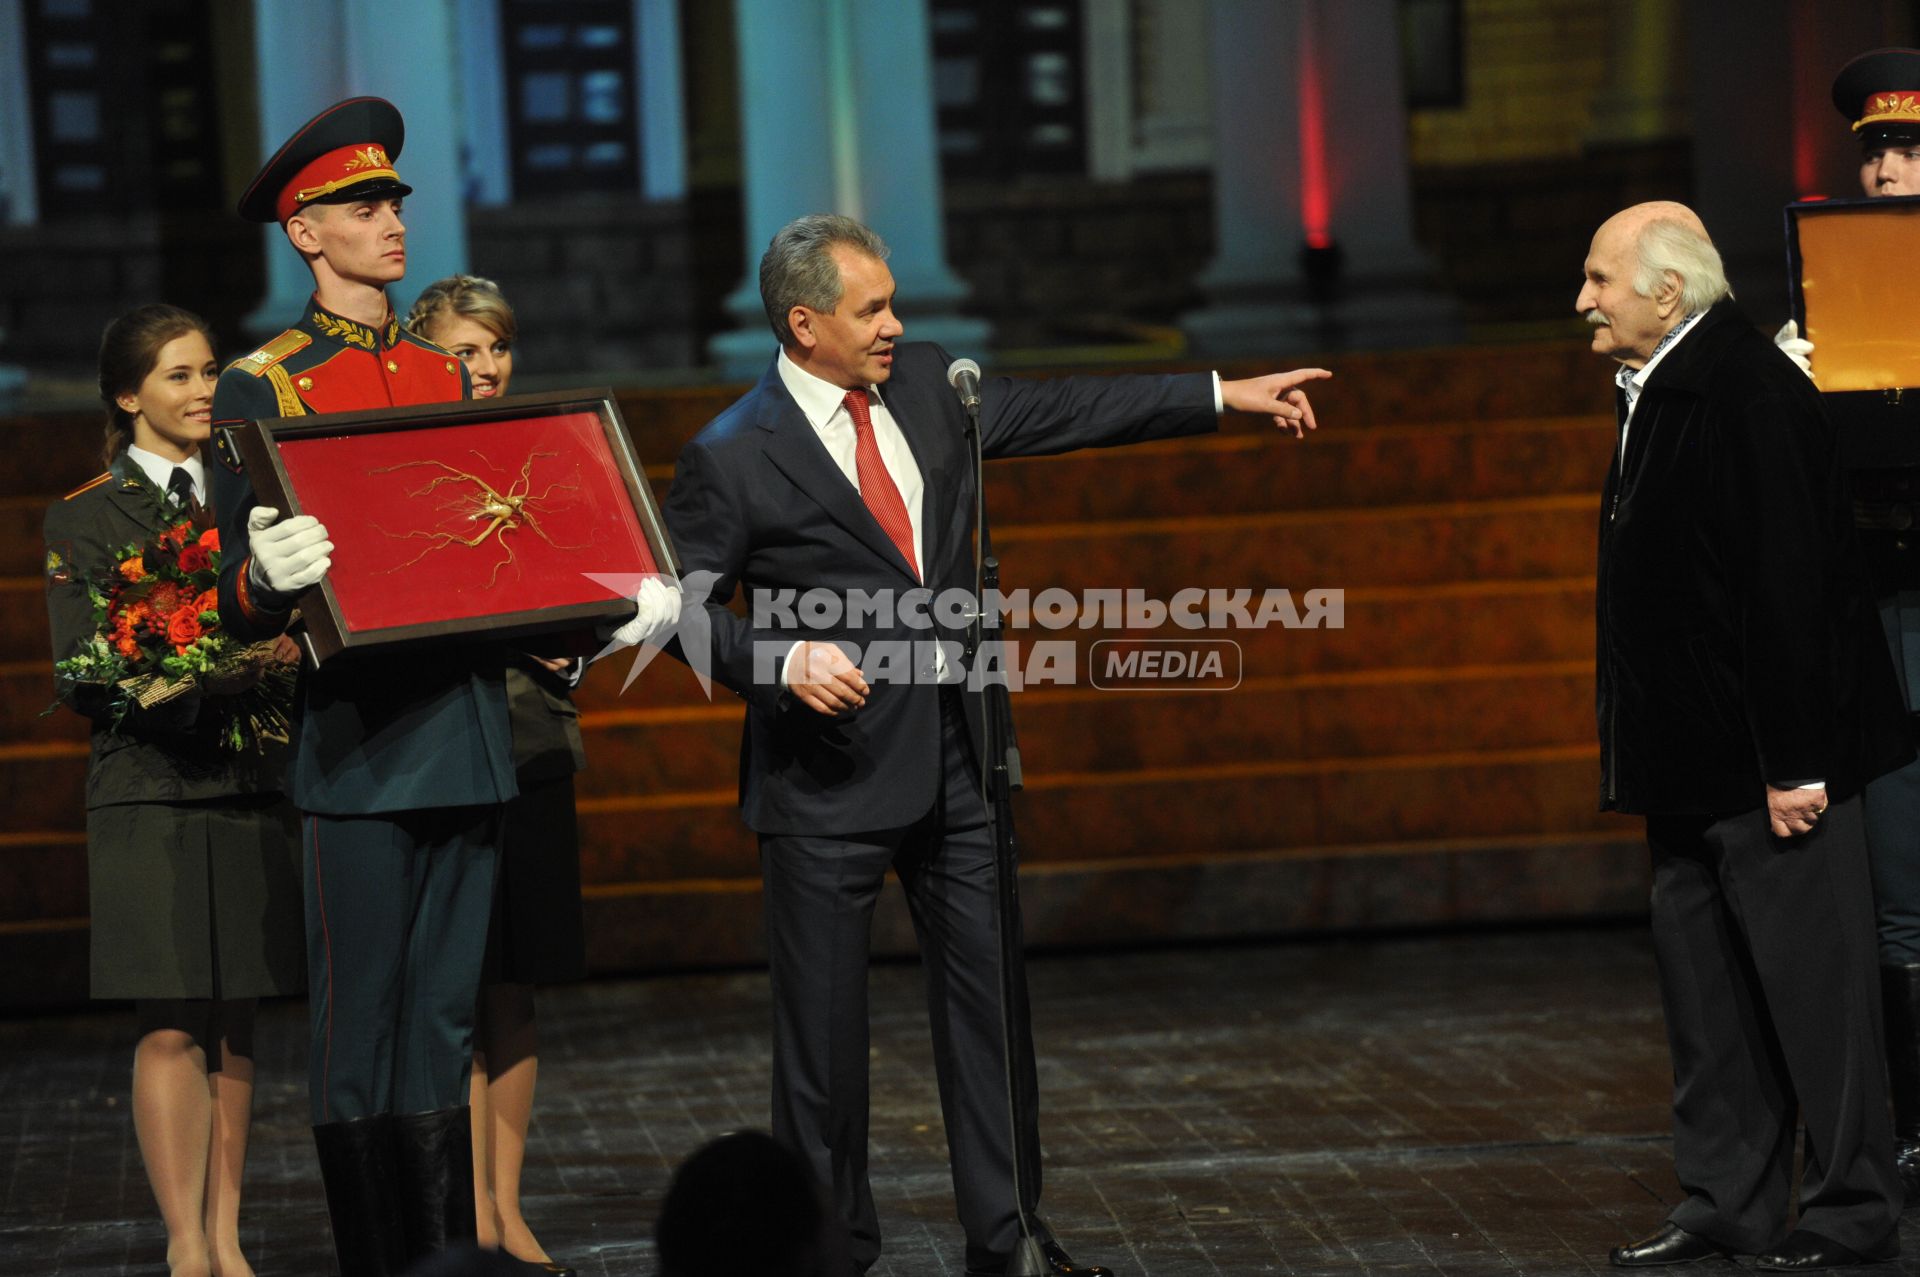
[(125, 645), (183, 629), (211, 539), (209, 601), (133, 569)]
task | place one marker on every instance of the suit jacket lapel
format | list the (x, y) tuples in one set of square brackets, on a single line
[(920, 420), (797, 451)]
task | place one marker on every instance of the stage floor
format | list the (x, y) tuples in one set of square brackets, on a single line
[(1465, 1104)]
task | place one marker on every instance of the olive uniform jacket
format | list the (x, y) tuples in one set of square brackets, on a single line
[(387, 732), (155, 755)]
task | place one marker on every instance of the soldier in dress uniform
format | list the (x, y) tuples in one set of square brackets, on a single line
[(1879, 94), (402, 761)]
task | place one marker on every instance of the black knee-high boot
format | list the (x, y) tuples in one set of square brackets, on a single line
[(1900, 1000), (358, 1168), (436, 1178)]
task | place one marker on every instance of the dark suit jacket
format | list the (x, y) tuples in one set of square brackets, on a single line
[(758, 501), (395, 731), (1738, 644), (158, 755)]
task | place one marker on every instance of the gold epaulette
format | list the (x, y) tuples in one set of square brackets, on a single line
[(273, 352), (89, 485)]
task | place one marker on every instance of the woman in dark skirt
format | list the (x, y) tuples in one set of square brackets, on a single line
[(537, 935), (193, 862)]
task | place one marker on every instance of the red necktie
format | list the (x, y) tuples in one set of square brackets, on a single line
[(876, 485)]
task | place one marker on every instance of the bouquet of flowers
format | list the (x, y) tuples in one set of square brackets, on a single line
[(157, 636)]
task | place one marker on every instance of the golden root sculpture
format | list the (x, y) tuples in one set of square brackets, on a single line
[(501, 512)]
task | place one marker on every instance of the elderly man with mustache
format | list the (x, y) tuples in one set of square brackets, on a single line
[(1745, 698)]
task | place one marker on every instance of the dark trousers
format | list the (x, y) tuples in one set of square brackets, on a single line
[(1771, 991), (820, 893), (397, 909), (1893, 846), (1893, 800)]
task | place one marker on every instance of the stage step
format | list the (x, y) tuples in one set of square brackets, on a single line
[(1300, 806), (1431, 760)]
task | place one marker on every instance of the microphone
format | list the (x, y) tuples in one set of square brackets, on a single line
[(964, 376)]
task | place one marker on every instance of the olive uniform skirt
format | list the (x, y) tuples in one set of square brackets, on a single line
[(538, 935), (196, 900)]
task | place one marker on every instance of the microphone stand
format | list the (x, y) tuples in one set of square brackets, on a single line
[(1001, 775)]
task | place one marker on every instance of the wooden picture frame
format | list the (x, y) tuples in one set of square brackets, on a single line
[(1846, 275), (489, 518)]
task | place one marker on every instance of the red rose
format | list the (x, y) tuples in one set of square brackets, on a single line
[(183, 629), (210, 539), (195, 558)]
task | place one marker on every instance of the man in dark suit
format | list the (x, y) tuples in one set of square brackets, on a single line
[(845, 472), (1745, 698)]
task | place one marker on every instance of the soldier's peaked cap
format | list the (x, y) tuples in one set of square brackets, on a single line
[(344, 153), (1880, 89)]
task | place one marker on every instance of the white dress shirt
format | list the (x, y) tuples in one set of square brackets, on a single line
[(1634, 380), (159, 469), (823, 404)]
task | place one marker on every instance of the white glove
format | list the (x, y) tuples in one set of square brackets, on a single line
[(1794, 346), (657, 611), (288, 556)]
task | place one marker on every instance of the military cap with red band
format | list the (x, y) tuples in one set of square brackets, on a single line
[(344, 153), (1880, 91)]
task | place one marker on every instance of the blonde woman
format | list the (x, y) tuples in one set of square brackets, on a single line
[(537, 935)]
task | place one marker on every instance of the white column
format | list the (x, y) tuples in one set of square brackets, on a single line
[(836, 115), (1308, 112), (897, 149), (1389, 293), (19, 197), (661, 98), (1107, 55), (1258, 303), (404, 53), (1172, 98), (407, 54), (19, 194), (486, 169), (291, 90)]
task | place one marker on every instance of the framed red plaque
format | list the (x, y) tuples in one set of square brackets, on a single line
[(495, 518)]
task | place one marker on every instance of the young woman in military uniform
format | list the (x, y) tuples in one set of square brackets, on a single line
[(192, 854), (536, 936)]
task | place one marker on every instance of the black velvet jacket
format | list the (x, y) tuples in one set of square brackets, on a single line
[(1738, 644)]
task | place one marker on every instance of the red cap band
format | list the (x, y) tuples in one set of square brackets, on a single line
[(335, 171)]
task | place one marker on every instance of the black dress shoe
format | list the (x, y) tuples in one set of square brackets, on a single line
[(1059, 1264), (545, 1268), (1810, 1252), (1671, 1245)]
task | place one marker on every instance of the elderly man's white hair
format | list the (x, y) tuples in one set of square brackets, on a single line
[(1668, 245)]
